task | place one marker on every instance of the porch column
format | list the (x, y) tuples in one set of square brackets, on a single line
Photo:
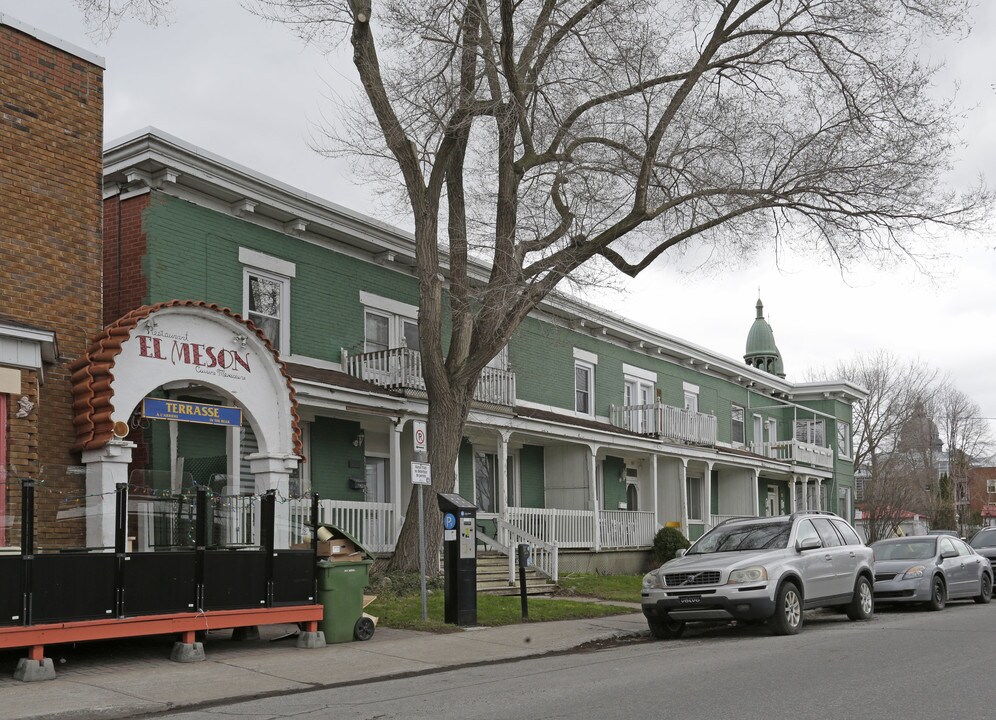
[(105, 468), (819, 493), (593, 495), (503, 436), (792, 495), (683, 486), (707, 496), (272, 472), (395, 465), (755, 493), (653, 492)]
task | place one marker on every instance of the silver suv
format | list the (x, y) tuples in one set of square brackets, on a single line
[(758, 569)]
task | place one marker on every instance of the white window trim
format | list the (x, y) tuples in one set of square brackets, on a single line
[(267, 263), (847, 454), (591, 388), (585, 356), (640, 384), (388, 306), (283, 342), (638, 373), (690, 388)]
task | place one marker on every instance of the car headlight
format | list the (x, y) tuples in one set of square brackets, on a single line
[(914, 572), (748, 575), (652, 581)]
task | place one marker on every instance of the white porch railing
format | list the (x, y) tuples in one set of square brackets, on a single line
[(626, 528), (545, 557), (565, 528), (666, 422), (795, 451), (373, 524), (401, 368)]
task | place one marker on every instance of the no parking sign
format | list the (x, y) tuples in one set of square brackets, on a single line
[(418, 436)]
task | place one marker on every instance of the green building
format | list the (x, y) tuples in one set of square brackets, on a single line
[(590, 432)]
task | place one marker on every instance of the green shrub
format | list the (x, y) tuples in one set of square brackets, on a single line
[(666, 544)]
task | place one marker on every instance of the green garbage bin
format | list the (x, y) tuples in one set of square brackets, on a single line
[(340, 592)]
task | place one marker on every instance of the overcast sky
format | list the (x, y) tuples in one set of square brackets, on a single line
[(251, 92)]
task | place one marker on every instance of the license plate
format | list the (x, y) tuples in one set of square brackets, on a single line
[(690, 599)]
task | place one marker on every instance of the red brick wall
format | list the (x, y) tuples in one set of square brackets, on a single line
[(125, 287), (51, 124)]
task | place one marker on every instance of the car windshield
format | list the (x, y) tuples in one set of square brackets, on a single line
[(743, 536), (906, 550), (984, 540)]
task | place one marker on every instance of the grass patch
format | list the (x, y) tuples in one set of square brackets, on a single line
[(624, 588), (405, 611)]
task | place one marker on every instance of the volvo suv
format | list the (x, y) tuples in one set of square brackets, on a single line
[(763, 569)]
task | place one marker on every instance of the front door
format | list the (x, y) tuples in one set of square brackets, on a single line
[(845, 560), (771, 502), (377, 476)]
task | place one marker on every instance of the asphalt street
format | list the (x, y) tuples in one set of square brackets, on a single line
[(904, 663)]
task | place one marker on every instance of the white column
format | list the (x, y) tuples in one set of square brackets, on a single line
[(819, 493), (395, 463), (593, 493), (653, 491), (503, 436), (756, 492), (272, 472), (105, 468), (707, 496), (683, 488), (793, 504)]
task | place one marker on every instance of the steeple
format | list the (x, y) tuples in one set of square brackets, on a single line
[(761, 351)]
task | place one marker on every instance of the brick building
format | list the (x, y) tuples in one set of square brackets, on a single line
[(51, 124)]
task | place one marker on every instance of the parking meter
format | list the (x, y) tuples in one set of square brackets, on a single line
[(459, 559)]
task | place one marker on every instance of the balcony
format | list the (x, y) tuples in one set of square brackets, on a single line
[(666, 423), (401, 369), (794, 451)]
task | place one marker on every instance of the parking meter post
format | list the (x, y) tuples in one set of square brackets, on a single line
[(421, 555), (459, 559), (523, 552)]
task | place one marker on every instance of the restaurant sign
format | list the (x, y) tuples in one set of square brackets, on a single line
[(183, 411)]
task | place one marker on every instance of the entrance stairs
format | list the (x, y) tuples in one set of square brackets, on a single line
[(492, 577)]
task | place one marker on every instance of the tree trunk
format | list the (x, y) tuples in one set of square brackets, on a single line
[(447, 416)]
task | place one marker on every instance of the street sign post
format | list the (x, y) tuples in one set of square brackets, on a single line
[(422, 476)]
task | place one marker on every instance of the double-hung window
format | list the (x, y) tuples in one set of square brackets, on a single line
[(737, 425), (584, 381), (266, 295), (638, 398), (388, 324)]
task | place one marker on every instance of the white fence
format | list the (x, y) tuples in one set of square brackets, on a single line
[(566, 528), (373, 524), (666, 422), (402, 368), (626, 528), (545, 557)]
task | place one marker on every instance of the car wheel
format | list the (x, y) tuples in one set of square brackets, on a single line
[(985, 590), (938, 595), (666, 629), (862, 603), (787, 619)]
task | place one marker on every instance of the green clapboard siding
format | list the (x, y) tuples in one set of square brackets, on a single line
[(531, 478), (332, 453)]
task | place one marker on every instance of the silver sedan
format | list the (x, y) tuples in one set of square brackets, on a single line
[(930, 570)]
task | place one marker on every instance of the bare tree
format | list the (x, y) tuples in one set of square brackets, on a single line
[(555, 138), (104, 16), (967, 439), (885, 439)]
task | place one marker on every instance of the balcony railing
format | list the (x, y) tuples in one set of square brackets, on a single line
[(401, 369), (666, 422), (794, 451)]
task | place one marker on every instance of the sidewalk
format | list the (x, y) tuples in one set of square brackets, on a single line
[(118, 679)]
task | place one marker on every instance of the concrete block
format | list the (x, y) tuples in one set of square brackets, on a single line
[(250, 632), (311, 640), (34, 670), (187, 652)]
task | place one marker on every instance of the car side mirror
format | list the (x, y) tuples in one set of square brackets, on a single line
[(680, 552), (809, 543), (949, 554)]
